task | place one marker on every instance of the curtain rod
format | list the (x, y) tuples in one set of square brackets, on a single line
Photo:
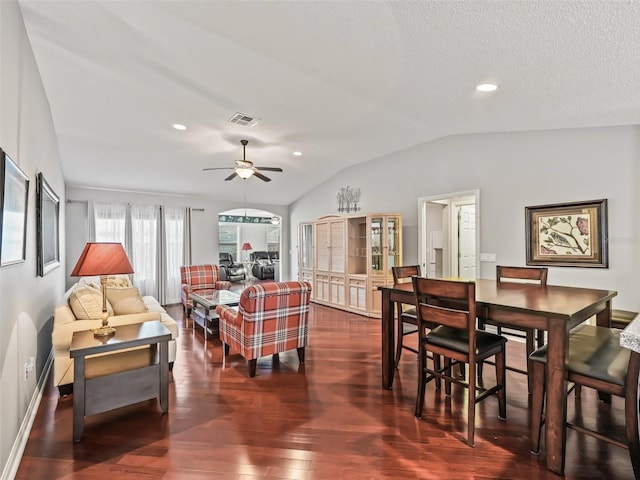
[(69, 200)]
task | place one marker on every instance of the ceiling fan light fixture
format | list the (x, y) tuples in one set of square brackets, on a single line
[(244, 172)]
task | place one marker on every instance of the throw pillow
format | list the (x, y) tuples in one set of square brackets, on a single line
[(126, 301), (118, 281), (86, 303), (89, 282)]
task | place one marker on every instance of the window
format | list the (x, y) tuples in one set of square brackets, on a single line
[(144, 248), (273, 239), (110, 222), (175, 219), (156, 240), (228, 240)]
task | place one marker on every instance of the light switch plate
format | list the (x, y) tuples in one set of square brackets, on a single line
[(488, 257)]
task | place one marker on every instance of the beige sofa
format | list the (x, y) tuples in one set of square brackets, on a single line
[(81, 308)]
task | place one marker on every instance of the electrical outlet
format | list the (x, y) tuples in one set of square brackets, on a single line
[(488, 257), (28, 367)]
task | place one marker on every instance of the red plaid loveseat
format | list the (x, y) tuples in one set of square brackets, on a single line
[(199, 279), (271, 318)]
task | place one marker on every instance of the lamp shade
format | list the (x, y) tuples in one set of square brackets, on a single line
[(246, 246), (102, 259)]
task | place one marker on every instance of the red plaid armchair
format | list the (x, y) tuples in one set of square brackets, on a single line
[(271, 318), (199, 279)]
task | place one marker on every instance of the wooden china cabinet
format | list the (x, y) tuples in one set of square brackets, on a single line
[(346, 258)]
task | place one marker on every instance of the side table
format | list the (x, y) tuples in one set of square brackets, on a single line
[(115, 378)]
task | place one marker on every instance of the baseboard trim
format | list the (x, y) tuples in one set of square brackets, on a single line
[(15, 456)]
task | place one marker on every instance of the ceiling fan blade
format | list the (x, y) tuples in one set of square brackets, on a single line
[(261, 177), (269, 169), (232, 176), (218, 168)]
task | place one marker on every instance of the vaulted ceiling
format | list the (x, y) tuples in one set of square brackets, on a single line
[(342, 82)]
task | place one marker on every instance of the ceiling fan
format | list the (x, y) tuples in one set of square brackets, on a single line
[(244, 168)]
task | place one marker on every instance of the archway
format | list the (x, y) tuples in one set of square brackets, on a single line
[(256, 230)]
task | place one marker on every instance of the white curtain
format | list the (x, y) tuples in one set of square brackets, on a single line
[(91, 222), (109, 222), (177, 250), (145, 223), (156, 239)]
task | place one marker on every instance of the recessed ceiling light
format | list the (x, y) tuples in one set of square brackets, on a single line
[(297, 154), (486, 87), (179, 126)]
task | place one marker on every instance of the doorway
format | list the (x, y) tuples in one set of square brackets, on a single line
[(448, 235), (243, 233)]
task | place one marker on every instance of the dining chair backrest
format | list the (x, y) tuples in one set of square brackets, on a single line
[(447, 302), (530, 274), (407, 321), (404, 273)]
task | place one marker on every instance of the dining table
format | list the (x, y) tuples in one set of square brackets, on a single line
[(553, 308)]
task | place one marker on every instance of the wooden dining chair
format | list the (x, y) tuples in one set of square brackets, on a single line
[(596, 360), (452, 306), (536, 275), (407, 322)]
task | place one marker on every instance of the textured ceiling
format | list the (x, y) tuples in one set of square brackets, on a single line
[(342, 81)]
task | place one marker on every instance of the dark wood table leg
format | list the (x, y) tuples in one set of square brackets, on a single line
[(388, 367), (78, 397), (556, 404)]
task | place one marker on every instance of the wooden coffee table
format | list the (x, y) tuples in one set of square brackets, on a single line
[(204, 308), (114, 375)]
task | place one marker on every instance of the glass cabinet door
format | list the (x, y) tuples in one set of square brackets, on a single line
[(377, 253), (306, 243), (393, 243)]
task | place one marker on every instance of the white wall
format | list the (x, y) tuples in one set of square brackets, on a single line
[(255, 234), (204, 220), (26, 300), (511, 170)]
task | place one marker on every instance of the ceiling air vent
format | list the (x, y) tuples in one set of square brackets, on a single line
[(244, 120)]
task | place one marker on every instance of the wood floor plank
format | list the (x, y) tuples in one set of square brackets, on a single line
[(328, 418)]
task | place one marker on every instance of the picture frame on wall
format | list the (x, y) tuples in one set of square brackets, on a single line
[(14, 198), (568, 234), (47, 226)]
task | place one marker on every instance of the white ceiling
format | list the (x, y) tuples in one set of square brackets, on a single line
[(342, 81)]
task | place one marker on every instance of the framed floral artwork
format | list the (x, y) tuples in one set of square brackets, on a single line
[(568, 234)]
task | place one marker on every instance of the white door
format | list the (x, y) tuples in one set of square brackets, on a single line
[(467, 241)]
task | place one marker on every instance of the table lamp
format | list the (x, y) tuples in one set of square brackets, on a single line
[(102, 259), (245, 248)]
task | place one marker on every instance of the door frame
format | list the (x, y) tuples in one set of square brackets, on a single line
[(449, 230)]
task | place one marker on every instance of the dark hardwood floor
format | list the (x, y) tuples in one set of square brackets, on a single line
[(327, 419)]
